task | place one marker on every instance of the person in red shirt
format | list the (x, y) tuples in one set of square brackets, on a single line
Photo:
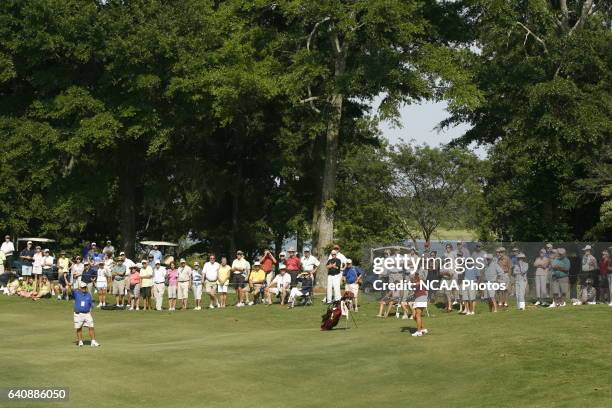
[(267, 264), (294, 265), (604, 266)]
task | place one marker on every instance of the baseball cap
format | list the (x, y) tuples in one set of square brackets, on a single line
[(282, 266), (29, 242), (587, 248), (182, 260), (158, 262), (291, 249), (520, 255), (108, 241), (349, 261), (549, 245), (489, 256), (306, 249), (283, 253), (82, 285), (256, 263), (334, 252), (196, 263), (121, 253), (93, 244)]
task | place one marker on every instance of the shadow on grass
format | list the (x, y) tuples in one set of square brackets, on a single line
[(408, 329)]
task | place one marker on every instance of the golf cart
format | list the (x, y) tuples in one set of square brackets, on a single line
[(21, 244), (168, 255)]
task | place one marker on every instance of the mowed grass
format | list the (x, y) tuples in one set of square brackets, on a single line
[(274, 357)]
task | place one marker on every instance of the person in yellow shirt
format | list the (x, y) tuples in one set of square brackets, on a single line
[(223, 279), (43, 291), (257, 277), (146, 284)]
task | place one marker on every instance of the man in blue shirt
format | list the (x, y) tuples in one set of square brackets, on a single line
[(352, 277), (82, 314), (156, 254), (468, 293)]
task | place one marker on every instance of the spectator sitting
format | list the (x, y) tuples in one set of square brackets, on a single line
[(279, 285), (587, 294), (302, 289), (44, 291), (26, 289), (13, 286), (257, 278)]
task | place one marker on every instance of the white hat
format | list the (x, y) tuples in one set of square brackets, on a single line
[(182, 260), (291, 249), (29, 242), (46, 250), (256, 263), (282, 266), (520, 255), (138, 265), (561, 251), (82, 285), (158, 262), (306, 249), (587, 248), (334, 252), (93, 244), (282, 253), (488, 256), (121, 253), (549, 246), (196, 263), (349, 261)]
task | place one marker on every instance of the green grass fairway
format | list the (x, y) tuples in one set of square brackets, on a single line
[(273, 357)]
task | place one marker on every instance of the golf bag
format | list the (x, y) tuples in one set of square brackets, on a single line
[(334, 312)]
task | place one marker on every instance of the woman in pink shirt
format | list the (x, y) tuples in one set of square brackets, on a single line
[(172, 279), (134, 287)]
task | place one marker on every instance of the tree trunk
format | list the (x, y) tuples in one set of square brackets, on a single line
[(299, 244), (235, 210), (323, 220), (127, 186)]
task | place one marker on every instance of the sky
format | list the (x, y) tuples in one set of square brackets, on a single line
[(418, 124)]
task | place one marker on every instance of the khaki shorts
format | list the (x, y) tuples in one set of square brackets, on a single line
[(83, 319), (183, 290), (172, 292), (211, 287), (118, 287), (223, 288), (352, 287)]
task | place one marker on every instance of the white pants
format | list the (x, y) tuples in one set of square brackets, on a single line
[(540, 286), (158, 293), (294, 292), (333, 287)]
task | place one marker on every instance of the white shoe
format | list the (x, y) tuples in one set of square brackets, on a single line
[(99, 305), (59, 297), (552, 305), (80, 343), (251, 303), (417, 334), (424, 331), (562, 304), (240, 304), (537, 303), (592, 303), (610, 304), (405, 317), (454, 302), (217, 305), (137, 308), (212, 306), (131, 308), (95, 343)]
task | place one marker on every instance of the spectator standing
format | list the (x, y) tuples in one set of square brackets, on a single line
[(493, 272), (172, 279), (211, 277), (37, 261), (102, 283), (8, 249), (519, 271), (542, 264), (334, 274), (118, 273), (505, 263), (159, 284), (268, 261), (310, 264), (184, 280), (156, 254), (560, 266), (223, 279), (294, 265), (109, 249), (27, 257), (589, 267), (134, 280), (146, 284), (47, 265), (240, 269), (196, 285), (352, 278)]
